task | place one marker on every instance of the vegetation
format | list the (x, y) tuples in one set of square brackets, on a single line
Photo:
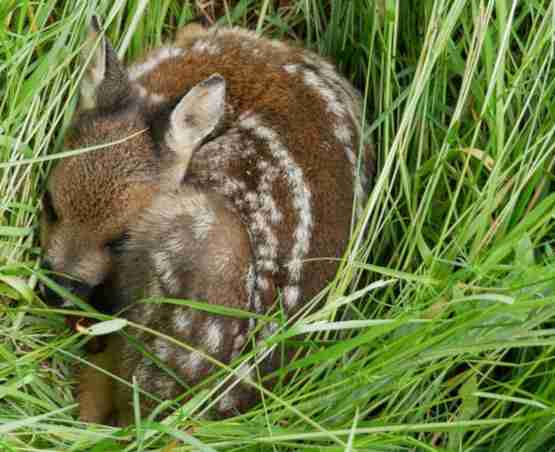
[(438, 332)]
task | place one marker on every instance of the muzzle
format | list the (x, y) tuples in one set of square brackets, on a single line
[(76, 287)]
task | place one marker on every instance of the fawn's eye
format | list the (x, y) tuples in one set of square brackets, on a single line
[(48, 208), (116, 244)]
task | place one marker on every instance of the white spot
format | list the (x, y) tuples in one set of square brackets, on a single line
[(262, 283), (142, 90), (158, 57), (351, 155), (268, 265), (181, 320), (291, 296), (299, 189), (148, 310), (165, 386), (278, 45), (222, 262), (190, 363), (162, 349), (252, 324), (204, 46), (244, 372), (250, 197), (239, 32), (291, 68), (229, 187), (257, 306), (203, 220), (295, 265), (213, 336), (269, 330), (318, 84), (227, 402), (156, 98), (344, 134), (165, 271), (142, 374), (238, 343), (350, 97), (249, 284), (175, 243)]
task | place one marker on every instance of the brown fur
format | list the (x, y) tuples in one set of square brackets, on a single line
[(189, 235)]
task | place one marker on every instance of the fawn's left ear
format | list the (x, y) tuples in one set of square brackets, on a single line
[(194, 118), (105, 84)]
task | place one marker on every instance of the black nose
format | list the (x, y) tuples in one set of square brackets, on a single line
[(76, 287)]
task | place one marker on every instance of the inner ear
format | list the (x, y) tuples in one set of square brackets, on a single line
[(195, 117), (105, 84)]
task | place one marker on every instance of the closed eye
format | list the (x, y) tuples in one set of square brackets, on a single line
[(116, 245), (48, 208)]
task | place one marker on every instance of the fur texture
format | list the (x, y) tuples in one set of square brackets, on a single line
[(237, 182)]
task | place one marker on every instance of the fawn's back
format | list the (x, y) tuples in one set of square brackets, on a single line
[(285, 157)]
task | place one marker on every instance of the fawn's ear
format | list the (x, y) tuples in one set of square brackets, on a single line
[(105, 84), (194, 118)]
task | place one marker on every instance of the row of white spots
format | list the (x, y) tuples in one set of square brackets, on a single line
[(156, 58), (266, 200), (349, 96), (267, 243), (259, 205), (227, 149), (333, 105), (342, 129), (300, 193), (235, 189)]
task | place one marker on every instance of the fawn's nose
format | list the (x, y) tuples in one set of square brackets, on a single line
[(53, 298)]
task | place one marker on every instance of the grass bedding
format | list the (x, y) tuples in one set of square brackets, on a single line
[(438, 332)]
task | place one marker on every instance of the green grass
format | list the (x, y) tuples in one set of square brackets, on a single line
[(439, 331)]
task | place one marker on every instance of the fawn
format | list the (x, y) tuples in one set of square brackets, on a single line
[(229, 176)]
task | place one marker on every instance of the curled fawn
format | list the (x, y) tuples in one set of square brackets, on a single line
[(229, 177)]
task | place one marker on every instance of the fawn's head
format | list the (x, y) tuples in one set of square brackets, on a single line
[(92, 199)]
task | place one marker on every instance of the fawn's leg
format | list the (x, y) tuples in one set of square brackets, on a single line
[(96, 389)]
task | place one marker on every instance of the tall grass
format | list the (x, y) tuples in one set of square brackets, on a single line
[(437, 333)]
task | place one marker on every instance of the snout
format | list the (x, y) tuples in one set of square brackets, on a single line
[(76, 287)]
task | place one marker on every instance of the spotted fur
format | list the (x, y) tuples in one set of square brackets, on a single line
[(239, 179)]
